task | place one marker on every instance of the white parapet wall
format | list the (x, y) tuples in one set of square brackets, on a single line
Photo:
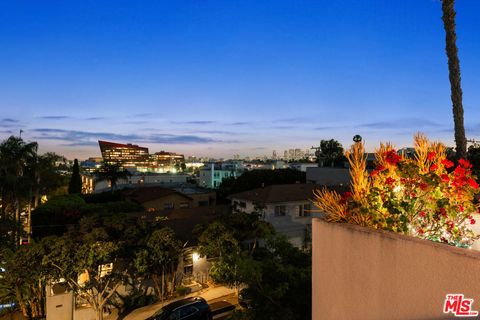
[(361, 273)]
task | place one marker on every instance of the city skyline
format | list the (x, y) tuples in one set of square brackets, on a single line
[(218, 79)]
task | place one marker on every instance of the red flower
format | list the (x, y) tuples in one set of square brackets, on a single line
[(392, 157), (447, 163), (443, 212), (473, 183), (433, 167), (373, 173), (390, 181), (423, 186), (345, 196), (380, 168), (464, 163), (472, 221), (422, 214), (420, 231), (431, 156), (459, 171), (413, 195), (460, 208), (445, 178)]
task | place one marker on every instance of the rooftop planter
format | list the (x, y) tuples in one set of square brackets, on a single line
[(424, 195)]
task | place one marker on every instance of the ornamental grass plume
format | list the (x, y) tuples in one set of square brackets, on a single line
[(426, 196)]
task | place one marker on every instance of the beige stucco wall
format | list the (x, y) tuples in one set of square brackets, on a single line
[(360, 273)]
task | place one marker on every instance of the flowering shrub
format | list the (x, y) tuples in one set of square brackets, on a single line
[(426, 196)]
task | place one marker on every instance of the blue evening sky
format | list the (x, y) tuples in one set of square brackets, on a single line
[(224, 77)]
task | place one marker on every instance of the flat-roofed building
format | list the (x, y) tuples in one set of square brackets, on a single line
[(166, 162)]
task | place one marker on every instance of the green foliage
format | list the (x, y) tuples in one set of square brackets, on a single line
[(23, 280), (55, 216), (474, 158), (158, 258), (101, 251), (17, 163), (49, 180), (330, 153), (277, 275), (181, 290), (75, 185), (258, 178), (278, 280)]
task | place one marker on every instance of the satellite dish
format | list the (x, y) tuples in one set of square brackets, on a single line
[(357, 138)]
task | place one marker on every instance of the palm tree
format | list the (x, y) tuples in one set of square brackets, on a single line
[(17, 166), (112, 173), (17, 160), (454, 75)]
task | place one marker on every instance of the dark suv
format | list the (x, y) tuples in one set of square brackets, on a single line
[(186, 309)]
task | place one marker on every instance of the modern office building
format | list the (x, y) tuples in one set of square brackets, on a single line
[(136, 158), (128, 156), (166, 162)]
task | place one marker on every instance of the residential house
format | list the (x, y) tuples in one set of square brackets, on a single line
[(287, 207), (156, 198)]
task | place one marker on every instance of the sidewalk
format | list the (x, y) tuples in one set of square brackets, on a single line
[(208, 294)]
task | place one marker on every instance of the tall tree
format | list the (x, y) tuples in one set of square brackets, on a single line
[(448, 18), (17, 167), (75, 185), (158, 260), (330, 152)]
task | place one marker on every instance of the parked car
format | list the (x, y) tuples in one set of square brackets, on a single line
[(195, 308)]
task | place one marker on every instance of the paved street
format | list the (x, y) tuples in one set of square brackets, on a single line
[(212, 294)]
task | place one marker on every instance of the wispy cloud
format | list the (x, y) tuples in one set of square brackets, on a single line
[(86, 138), (294, 120), (9, 120), (54, 117), (95, 118), (199, 122), (240, 123), (400, 123)]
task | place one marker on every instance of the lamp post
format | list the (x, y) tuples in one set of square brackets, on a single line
[(357, 138)]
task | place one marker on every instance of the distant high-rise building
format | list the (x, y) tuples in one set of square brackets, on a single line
[(274, 155)]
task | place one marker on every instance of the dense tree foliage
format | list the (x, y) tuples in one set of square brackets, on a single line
[(330, 153), (23, 279), (158, 260), (258, 178), (55, 216), (277, 276)]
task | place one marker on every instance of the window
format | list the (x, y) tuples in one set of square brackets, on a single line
[(242, 204), (304, 210), (184, 205), (280, 211), (187, 311), (168, 205)]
